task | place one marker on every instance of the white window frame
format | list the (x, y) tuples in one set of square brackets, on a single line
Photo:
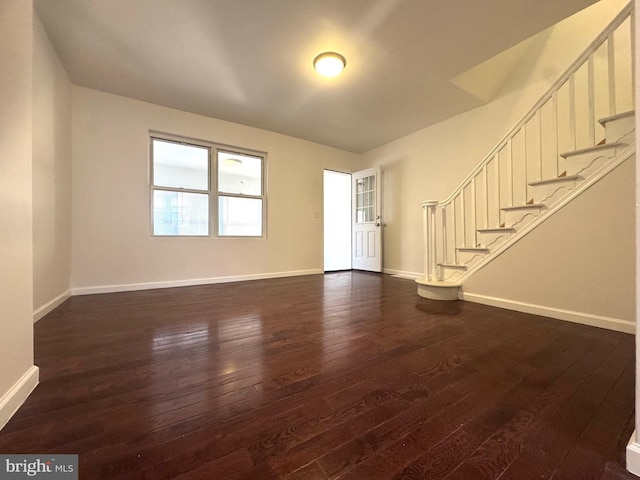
[(214, 194), (262, 196)]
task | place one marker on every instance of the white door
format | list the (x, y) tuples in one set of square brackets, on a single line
[(367, 220)]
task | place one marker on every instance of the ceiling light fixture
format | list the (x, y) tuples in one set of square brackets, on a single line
[(232, 162), (329, 64)]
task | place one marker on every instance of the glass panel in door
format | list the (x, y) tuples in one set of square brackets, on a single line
[(366, 199)]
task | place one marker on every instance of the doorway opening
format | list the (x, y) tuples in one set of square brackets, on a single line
[(337, 221)]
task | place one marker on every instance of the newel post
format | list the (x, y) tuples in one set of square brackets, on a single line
[(429, 235)]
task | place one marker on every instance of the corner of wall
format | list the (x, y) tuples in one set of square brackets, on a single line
[(16, 243), (51, 179)]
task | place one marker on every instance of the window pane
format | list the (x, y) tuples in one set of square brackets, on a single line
[(180, 213), (365, 199), (239, 174), (240, 217), (180, 166)]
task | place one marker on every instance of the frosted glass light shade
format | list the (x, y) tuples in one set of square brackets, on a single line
[(329, 64)]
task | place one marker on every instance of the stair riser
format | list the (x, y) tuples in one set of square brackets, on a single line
[(519, 218), (584, 164), (470, 258), (493, 239), (616, 129), (451, 274), (438, 293), (549, 193)]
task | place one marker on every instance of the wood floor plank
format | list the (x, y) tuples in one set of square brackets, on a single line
[(506, 443), (310, 472), (343, 459), (597, 441), (479, 396), (465, 443), (230, 467), (556, 434), (301, 454), (348, 375)]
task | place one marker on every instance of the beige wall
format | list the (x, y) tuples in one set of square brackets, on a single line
[(111, 225), (51, 173), (16, 325), (429, 164)]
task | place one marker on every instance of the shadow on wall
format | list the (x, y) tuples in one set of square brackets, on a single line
[(506, 72), (391, 185)]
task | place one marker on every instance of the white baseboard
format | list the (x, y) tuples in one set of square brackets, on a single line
[(633, 455), (610, 323), (17, 394), (50, 306), (130, 287), (403, 274)]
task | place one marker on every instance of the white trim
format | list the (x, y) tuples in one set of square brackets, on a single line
[(438, 290), (17, 394), (130, 287), (610, 323), (403, 273), (50, 305), (633, 455)]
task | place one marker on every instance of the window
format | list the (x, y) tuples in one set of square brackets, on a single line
[(239, 194), (180, 188), (191, 189), (365, 199)]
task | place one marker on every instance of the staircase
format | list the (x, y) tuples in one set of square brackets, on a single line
[(578, 132)]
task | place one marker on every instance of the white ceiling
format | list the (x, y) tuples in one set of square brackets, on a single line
[(250, 61)]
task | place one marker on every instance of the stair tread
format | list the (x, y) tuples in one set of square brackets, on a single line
[(617, 116), (568, 178), (452, 265), (438, 283), (532, 206), (473, 249), (605, 146), (497, 229)]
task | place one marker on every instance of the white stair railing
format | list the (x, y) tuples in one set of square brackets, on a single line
[(598, 84)]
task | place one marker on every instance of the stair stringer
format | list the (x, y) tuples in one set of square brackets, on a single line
[(627, 153)]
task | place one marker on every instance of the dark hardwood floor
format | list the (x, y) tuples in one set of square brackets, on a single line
[(346, 375)]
